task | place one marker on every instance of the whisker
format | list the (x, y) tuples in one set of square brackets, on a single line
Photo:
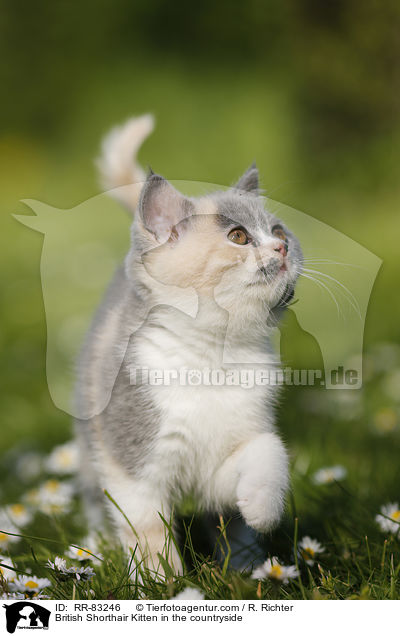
[(327, 261), (323, 286), (350, 298)]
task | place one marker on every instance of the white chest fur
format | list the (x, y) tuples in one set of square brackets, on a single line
[(204, 422)]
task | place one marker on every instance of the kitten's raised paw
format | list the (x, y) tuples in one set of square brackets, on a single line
[(260, 508)]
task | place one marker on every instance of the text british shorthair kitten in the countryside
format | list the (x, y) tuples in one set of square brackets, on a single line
[(200, 290)]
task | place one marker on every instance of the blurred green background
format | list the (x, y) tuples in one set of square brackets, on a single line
[(308, 89)]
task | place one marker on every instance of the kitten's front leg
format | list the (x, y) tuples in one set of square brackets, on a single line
[(255, 479), (263, 481)]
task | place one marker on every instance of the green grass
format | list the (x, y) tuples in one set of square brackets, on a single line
[(352, 567), (359, 561), (211, 125)]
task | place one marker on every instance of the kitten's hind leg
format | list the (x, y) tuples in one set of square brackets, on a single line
[(138, 511), (92, 495)]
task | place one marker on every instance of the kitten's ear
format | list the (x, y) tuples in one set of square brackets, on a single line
[(161, 207), (249, 181)]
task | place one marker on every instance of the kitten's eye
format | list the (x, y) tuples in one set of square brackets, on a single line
[(279, 232), (238, 236)]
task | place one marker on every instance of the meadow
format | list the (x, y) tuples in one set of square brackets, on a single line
[(333, 158)]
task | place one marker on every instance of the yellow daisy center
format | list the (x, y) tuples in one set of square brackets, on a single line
[(276, 572), (65, 458), (32, 585), (17, 509), (3, 536), (80, 552), (396, 515), (308, 553), (52, 485), (386, 419)]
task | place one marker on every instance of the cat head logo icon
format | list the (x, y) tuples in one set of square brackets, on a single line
[(26, 615), (83, 246)]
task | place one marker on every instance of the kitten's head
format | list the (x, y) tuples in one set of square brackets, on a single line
[(225, 243)]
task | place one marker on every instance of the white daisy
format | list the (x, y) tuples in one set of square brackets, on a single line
[(55, 496), (7, 574), (189, 594), (329, 475), (5, 527), (89, 551), (63, 460), (346, 405), (12, 596), (29, 584), (82, 574), (58, 565), (308, 549), (389, 520), (19, 514), (385, 420), (275, 571), (28, 466)]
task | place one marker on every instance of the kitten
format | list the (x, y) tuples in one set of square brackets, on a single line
[(201, 287)]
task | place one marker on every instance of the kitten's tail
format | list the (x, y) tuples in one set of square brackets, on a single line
[(120, 173)]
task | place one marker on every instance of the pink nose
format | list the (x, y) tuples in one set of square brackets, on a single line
[(281, 247)]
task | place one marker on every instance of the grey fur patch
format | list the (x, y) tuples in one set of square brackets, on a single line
[(249, 181), (243, 210), (248, 211), (131, 420)]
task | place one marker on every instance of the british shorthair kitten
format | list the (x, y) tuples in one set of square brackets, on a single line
[(196, 301)]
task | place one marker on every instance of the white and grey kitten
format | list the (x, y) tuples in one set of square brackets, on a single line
[(200, 289)]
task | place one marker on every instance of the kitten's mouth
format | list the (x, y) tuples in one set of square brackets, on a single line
[(267, 275)]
